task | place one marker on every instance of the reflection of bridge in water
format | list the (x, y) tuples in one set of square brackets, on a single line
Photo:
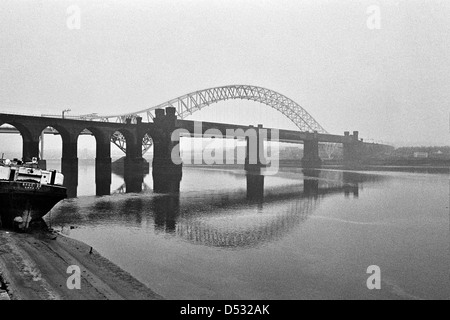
[(261, 229), (227, 219), (123, 188), (293, 207)]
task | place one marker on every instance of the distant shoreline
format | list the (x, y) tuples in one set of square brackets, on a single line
[(409, 165)]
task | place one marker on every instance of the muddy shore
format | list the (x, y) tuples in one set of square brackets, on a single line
[(34, 267)]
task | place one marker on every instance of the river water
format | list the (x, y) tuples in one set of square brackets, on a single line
[(311, 235)]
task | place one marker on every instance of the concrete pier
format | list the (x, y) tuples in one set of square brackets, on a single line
[(167, 165), (103, 169), (311, 157), (255, 161), (352, 149), (69, 168)]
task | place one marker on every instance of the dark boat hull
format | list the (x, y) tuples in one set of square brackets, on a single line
[(29, 201)]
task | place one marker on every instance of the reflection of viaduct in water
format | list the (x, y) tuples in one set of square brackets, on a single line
[(199, 219), (200, 232), (133, 178), (294, 207), (123, 188)]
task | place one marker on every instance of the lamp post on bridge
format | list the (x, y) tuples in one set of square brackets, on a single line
[(64, 111)]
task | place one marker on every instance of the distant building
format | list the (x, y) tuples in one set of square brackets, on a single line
[(440, 155), (419, 154)]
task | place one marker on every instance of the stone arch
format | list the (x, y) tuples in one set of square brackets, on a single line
[(58, 130), (30, 147), (102, 142), (128, 142)]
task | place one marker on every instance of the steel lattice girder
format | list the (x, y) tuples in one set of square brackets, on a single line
[(191, 102)]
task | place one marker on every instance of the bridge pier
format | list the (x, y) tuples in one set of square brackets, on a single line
[(254, 159), (69, 168), (103, 168), (133, 178), (167, 168), (103, 152), (41, 160), (30, 149), (352, 149), (102, 177), (69, 164), (133, 155), (311, 157), (70, 152), (103, 165), (134, 161), (255, 162), (134, 165)]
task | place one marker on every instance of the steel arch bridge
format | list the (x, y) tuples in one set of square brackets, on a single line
[(187, 104)]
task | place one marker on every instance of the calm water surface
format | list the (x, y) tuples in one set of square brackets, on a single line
[(310, 238)]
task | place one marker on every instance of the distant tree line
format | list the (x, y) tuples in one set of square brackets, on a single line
[(436, 151)]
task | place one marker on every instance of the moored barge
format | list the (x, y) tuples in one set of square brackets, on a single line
[(27, 193)]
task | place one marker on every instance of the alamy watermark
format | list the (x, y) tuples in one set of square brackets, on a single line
[(74, 280), (221, 147), (374, 19), (374, 281), (73, 21)]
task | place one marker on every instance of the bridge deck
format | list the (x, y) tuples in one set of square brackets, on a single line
[(289, 136)]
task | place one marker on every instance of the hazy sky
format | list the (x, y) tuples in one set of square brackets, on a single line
[(392, 84)]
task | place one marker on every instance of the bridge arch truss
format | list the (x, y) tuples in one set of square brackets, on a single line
[(189, 103)]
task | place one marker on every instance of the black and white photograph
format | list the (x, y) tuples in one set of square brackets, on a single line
[(215, 157)]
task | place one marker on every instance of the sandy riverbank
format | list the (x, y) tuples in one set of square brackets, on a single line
[(34, 266)]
